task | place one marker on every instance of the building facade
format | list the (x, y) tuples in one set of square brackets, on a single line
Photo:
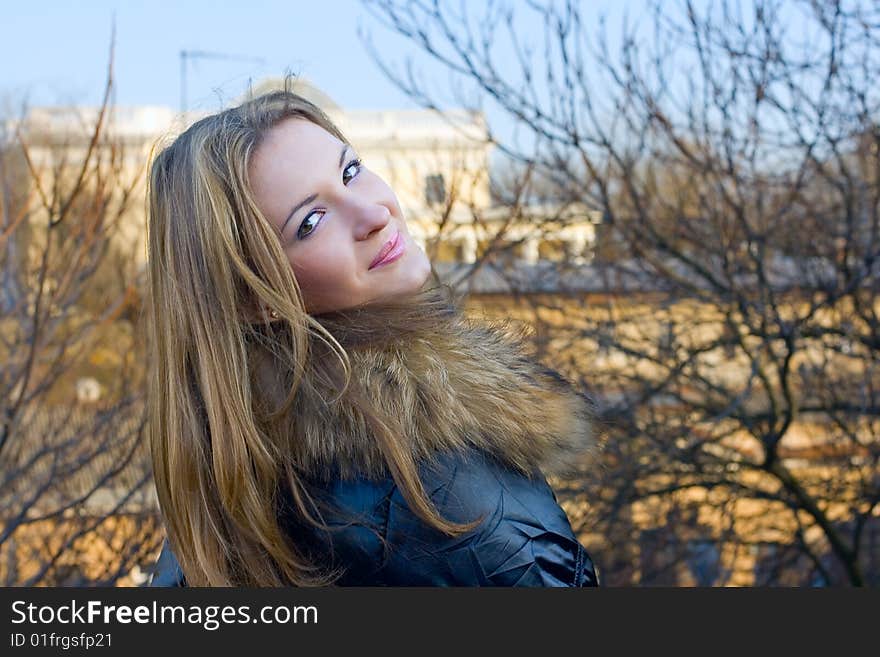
[(437, 164)]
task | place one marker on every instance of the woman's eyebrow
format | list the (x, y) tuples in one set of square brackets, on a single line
[(312, 197)]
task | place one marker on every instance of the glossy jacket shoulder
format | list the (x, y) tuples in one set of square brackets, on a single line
[(525, 538)]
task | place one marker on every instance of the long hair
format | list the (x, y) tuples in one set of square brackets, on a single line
[(224, 470)]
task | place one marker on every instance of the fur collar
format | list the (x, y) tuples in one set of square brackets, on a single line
[(444, 381)]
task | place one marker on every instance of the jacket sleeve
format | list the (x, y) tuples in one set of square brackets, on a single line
[(525, 538), (167, 571)]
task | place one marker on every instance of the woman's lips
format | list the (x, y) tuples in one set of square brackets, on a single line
[(392, 250)]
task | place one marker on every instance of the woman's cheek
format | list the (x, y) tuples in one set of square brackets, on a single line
[(323, 267)]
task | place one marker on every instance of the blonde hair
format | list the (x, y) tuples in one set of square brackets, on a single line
[(220, 454)]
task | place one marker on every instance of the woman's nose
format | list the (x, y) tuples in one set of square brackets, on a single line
[(371, 217)]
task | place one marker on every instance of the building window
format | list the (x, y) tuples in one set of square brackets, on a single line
[(435, 189)]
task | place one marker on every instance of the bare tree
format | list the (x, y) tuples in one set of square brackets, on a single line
[(729, 325), (75, 485)]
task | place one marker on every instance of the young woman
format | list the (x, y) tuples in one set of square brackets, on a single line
[(320, 410)]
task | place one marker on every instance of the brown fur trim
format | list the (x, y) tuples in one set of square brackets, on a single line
[(445, 381)]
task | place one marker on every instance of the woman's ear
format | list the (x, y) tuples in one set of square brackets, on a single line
[(255, 312)]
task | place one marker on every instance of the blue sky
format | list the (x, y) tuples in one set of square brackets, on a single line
[(57, 52)]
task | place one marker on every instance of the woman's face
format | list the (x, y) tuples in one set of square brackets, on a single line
[(334, 217)]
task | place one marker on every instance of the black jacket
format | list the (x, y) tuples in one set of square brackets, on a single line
[(525, 538)]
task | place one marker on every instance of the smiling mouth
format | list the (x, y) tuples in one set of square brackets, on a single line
[(391, 248)]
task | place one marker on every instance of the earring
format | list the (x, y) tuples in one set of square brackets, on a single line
[(273, 314)]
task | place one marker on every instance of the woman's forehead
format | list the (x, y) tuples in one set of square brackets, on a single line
[(293, 142)]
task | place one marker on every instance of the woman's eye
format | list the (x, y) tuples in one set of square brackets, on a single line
[(354, 163), (304, 230), (300, 234)]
